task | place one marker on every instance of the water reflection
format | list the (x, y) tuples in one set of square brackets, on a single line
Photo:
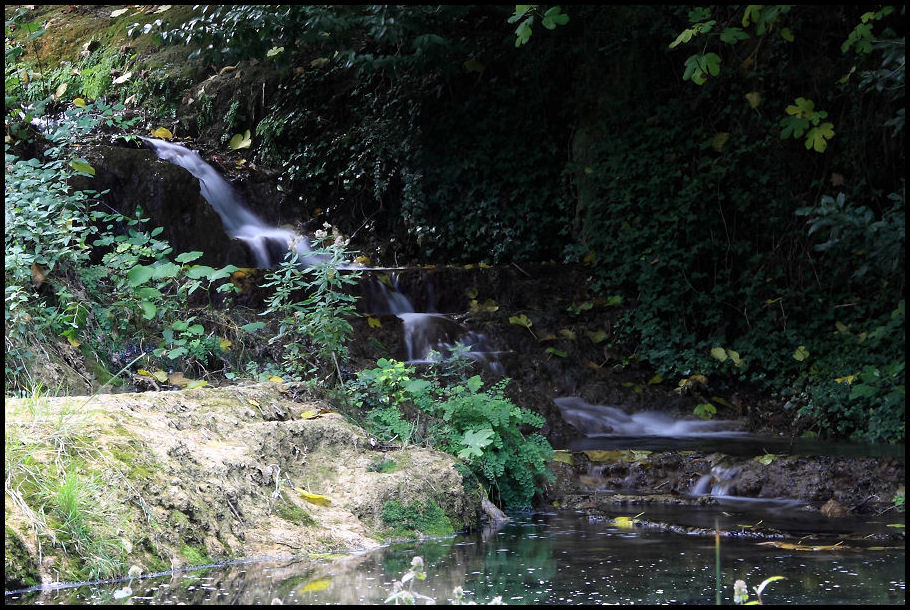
[(536, 559)]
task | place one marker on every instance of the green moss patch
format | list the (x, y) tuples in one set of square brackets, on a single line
[(413, 519)]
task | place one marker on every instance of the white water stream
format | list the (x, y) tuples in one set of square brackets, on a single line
[(268, 244)]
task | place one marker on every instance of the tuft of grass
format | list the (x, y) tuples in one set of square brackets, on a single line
[(58, 480)]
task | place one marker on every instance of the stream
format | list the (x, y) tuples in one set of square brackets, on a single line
[(563, 557), (538, 558)]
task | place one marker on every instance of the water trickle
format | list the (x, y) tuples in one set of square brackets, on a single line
[(430, 337), (268, 244)]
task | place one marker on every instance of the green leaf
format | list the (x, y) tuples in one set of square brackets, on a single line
[(165, 270), (719, 353), (241, 141), (733, 35), (139, 275), (253, 326), (817, 138), (801, 353), (520, 320), (557, 352), (197, 272), (474, 383), (82, 166), (187, 257), (147, 293), (148, 309), (474, 441)]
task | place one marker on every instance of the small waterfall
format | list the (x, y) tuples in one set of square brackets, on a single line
[(430, 337), (600, 420), (268, 244), (718, 483)]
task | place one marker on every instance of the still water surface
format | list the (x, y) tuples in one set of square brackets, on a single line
[(563, 558)]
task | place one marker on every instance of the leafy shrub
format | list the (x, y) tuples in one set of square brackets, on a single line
[(312, 307), (482, 428)]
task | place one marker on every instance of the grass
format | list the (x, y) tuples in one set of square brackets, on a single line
[(58, 481)]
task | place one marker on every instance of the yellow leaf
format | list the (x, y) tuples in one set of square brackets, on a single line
[(765, 459), (589, 257), (276, 379), (255, 403), (754, 99), (224, 344), (320, 584), (656, 379), (162, 132), (848, 379), (311, 414), (719, 353), (362, 260), (79, 102), (625, 523), (160, 375), (841, 328), (567, 333), (374, 322), (597, 335), (73, 341), (801, 353), (717, 143), (313, 498), (196, 383)]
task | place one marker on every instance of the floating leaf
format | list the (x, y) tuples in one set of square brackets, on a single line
[(320, 584), (373, 322), (241, 141), (162, 132), (313, 498)]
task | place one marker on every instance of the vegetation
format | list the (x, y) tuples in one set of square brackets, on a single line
[(733, 177), (483, 428)]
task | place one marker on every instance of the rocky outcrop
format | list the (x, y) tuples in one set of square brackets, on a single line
[(206, 475)]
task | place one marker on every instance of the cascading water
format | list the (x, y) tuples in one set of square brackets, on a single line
[(430, 336), (600, 420), (268, 244)]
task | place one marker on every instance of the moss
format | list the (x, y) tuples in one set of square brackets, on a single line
[(294, 514), (195, 556), (19, 567), (385, 466), (407, 520)]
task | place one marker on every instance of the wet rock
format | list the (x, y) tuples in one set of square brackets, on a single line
[(168, 195)]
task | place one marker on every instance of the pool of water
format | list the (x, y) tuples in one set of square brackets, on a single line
[(538, 558)]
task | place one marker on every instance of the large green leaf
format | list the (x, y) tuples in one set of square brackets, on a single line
[(139, 275)]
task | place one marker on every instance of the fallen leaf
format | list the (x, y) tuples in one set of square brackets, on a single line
[(162, 132), (313, 498)]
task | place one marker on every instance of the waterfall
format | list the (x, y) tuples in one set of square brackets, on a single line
[(429, 337), (268, 244), (601, 420)]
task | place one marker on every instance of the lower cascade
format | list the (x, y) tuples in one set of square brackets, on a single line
[(268, 244), (430, 336)]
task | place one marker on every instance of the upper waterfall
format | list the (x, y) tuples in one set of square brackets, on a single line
[(268, 244)]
